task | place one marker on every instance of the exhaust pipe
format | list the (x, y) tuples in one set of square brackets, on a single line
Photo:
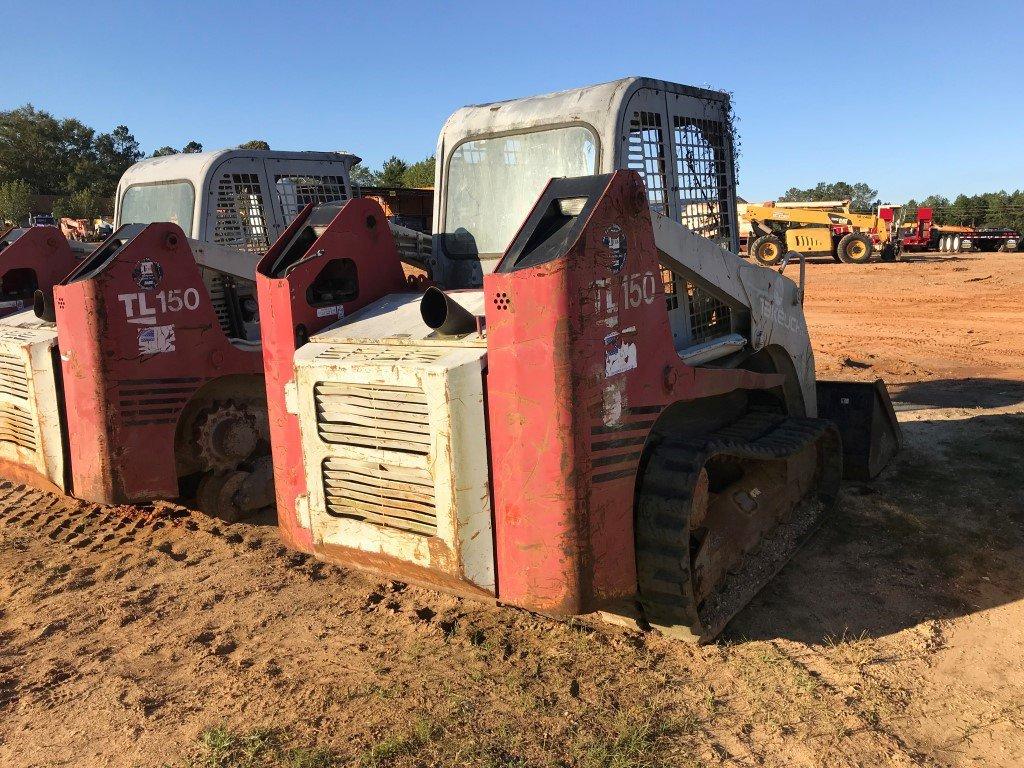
[(42, 304), (445, 315)]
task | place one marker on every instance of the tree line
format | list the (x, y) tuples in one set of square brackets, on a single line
[(396, 172), (62, 157), (43, 155)]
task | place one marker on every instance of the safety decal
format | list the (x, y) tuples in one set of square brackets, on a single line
[(147, 274), (156, 340), (619, 355), (615, 241), (337, 311)]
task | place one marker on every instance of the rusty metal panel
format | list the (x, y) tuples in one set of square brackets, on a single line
[(31, 419)]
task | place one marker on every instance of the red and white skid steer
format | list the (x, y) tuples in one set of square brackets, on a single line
[(593, 407), (139, 374)]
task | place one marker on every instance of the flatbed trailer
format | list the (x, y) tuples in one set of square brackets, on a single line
[(925, 235)]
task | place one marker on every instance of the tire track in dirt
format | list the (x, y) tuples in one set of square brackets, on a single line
[(136, 627)]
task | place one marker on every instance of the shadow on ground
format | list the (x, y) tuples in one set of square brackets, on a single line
[(959, 393), (939, 535)]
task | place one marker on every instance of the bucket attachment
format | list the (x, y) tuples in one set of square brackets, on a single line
[(867, 422)]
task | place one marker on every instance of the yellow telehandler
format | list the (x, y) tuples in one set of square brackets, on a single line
[(817, 228)]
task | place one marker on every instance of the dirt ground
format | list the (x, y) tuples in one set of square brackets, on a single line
[(160, 637)]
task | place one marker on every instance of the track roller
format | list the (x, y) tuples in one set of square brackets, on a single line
[(236, 494)]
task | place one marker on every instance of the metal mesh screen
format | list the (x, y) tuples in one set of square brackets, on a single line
[(706, 317), (703, 181), (296, 192), (709, 317), (241, 217), (646, 154)]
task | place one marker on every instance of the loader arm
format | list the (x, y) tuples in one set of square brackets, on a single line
[(771, 300)]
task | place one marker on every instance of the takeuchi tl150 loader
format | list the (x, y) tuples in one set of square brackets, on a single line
[(592, 407), (139, 374)]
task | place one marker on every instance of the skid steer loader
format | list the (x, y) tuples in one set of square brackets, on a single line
[(139, 375), (593, 407)]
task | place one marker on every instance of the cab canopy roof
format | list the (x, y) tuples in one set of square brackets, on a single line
[(197, 166), (601, 106), (493, 161), (241, 198)]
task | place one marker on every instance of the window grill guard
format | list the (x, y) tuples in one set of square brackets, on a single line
[(668, 281), (295, 192), (241, 217), (646, 154), (703, 190), (706, 316), (710, 318)]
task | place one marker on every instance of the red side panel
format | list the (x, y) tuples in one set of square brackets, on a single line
[(44, 251), (580, 364), (359, 233), (138, 337)]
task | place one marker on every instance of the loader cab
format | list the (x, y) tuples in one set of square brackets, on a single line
[(495, 159), (240, 199)]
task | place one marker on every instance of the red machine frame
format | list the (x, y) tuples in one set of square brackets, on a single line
[(139, 338), (42, 251), (564, 470)]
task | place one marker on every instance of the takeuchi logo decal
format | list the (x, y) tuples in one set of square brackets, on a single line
[(615, 241), (147, 274)]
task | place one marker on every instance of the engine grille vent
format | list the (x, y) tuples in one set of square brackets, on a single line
[(17, 427), (16, 423), (385, 355), (382, 494), (13, 376), (377, 417), (154, 401)]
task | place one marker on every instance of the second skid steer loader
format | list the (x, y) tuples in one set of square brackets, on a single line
[(139, 374), (593, 408)]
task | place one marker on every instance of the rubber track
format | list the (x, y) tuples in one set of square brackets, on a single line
[(662, 530)]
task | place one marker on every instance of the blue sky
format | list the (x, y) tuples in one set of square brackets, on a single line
[(923, 98)]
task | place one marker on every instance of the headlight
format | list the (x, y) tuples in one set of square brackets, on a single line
[(1011, 245)]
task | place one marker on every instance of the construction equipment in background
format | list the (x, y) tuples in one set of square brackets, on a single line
[(593, 407), (41, 220), (139, 376), (817, 229), (85, 230), (923, 234)]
